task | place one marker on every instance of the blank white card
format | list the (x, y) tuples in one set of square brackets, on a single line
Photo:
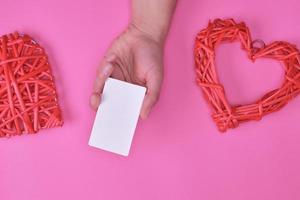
[(117, 116)]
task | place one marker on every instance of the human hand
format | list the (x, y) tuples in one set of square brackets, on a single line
[(136, 57)]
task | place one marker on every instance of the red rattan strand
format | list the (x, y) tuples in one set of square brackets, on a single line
[(28, 100), (225, 115)]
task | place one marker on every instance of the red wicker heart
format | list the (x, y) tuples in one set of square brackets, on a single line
[(225, 115), (28, 100)]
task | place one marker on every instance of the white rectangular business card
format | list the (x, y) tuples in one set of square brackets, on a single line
[(117, 116)]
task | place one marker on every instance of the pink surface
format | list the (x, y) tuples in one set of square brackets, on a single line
[(177, 153)]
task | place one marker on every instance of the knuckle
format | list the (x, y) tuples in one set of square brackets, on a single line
[(100, 75)]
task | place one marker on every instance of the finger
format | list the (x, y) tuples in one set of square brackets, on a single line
[(104, 71), (95, 100), (152, 95)]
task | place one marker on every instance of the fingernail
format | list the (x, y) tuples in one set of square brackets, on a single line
[(95, 100)]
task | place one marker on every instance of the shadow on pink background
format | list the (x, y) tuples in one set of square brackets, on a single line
[(177, 153)]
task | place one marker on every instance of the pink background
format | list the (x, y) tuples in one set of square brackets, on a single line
[(177, 153)]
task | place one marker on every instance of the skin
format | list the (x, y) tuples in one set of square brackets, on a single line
[(136, 55)]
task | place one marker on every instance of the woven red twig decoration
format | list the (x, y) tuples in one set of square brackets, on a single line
[(225, 115), (28, 100)]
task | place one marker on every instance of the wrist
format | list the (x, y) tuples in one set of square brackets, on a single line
[(156, 33)]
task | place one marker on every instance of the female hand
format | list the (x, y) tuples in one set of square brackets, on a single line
[(136, 57)]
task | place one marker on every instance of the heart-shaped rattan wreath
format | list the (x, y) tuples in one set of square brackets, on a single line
[(28, 100), (225, 115)]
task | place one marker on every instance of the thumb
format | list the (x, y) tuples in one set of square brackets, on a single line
[(152, 95), (104, 71)]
